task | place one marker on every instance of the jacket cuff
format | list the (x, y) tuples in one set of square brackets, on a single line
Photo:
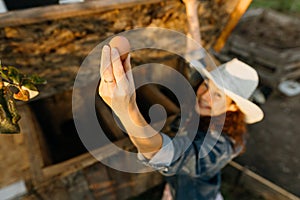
[(163, 157)]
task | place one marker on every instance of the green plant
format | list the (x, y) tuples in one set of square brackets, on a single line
[(280, 5), (15, 86)]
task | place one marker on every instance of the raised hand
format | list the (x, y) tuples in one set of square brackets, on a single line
[(117, 85), (118, 91)]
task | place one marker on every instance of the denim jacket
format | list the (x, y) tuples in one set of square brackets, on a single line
[(193, 174)]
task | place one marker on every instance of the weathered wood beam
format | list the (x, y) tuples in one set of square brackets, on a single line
[(84, 160), (257, 184), (235, 16), (34, 142), (53, 12)]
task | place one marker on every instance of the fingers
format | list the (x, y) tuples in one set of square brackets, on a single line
[(127, 67), (118, 69), (112, 71), (106, 70)]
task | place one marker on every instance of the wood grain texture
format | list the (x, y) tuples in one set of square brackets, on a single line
[(259, 185), (53, 12), (33, 134), (235, 16), (84, 160)]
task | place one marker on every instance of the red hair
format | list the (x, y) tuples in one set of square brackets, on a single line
[(234, 127)]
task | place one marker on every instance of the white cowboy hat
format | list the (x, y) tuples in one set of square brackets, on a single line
[(238, 81)]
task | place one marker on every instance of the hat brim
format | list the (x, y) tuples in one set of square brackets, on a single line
[(252, 112)]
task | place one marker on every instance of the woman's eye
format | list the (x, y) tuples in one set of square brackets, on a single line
[(218, 95)]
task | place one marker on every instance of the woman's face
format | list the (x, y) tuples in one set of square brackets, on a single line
[(211, 101)]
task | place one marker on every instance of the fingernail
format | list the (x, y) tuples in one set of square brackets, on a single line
[(115, 52), (128, 59), (105, 48)]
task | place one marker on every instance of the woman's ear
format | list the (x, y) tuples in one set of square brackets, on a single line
[(233, 107)]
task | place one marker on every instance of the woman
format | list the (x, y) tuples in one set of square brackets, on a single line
[(193, 173)]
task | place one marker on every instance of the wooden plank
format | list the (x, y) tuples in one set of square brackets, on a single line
[(122, 183), (99, 182), (292, 66), (18, 139), (53, 12), (56, 189), (130, 184), (78, 187), (38, 135), (259, 185), (292, 75), (14, 160), (234, 18), (30, 197), (31, 130), (229, 5), (240, 45), (145, 181), (84, 160)]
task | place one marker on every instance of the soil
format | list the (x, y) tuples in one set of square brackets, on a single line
[(272, 149), (280, 32), (273, 144)]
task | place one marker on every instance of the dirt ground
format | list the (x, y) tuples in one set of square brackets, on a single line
[(272, 149), (270, 31), (273, 145)]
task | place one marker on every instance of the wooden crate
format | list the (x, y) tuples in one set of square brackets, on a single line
[(273, 62), (45, 41)]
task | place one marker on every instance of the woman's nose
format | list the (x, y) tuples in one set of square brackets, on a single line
[(206, 97)]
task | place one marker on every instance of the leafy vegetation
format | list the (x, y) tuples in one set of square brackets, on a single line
[(292, 6), (14, 86)]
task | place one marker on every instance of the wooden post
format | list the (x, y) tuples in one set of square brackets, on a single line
[(34, 142), (234, 18), (193, 23)]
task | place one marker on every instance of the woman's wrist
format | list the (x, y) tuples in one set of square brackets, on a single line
[(145, 138), (133, 115), (136, 116)]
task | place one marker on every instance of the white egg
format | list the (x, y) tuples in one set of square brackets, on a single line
[(122, 44)]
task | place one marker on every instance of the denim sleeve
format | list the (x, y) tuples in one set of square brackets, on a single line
[(204, 158)]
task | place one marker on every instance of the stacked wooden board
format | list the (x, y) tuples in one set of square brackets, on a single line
[(270, 42), (52, 41)]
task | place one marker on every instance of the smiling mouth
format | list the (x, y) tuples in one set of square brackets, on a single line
[(203, 106)]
